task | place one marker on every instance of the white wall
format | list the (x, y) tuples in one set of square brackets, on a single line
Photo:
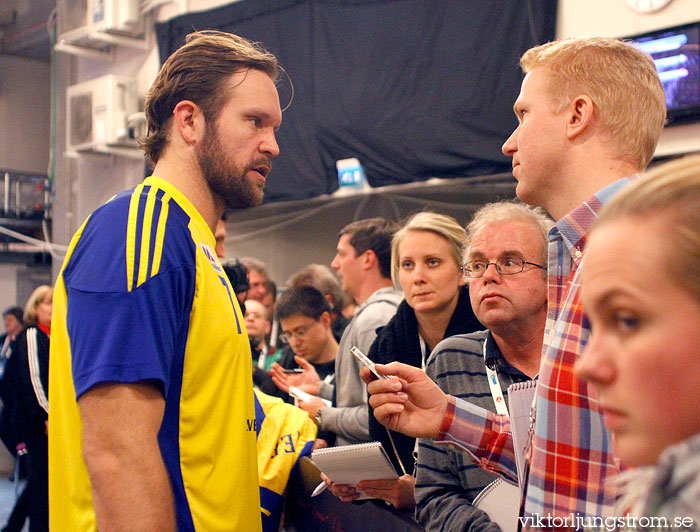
[(25, 112), (8, 288), (24, 141), (613, 18)]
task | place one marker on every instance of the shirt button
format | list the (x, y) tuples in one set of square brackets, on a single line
[(578, 253)]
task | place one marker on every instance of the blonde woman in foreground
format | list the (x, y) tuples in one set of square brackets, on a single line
[(641, 291)]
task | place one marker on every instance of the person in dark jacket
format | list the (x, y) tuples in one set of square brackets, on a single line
[(25, 394)]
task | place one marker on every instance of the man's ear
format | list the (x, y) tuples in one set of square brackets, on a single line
[(189, 121), (581, 114), (369, 259)]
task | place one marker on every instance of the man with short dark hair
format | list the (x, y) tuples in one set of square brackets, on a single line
[(363, 263), (305, 320), (321, 278), (152, 412)]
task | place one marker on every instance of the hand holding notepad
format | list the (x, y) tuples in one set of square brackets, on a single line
[(300, 395), (349, 464)]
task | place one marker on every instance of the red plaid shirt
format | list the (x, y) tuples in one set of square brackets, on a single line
[(571, 458)]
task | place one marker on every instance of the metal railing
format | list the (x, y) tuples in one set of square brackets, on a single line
[(25, 196)]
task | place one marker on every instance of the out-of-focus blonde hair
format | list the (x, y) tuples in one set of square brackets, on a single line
[(440, 224), (670, 195), (38, 295)]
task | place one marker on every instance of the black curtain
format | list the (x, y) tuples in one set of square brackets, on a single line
[(413, 88)]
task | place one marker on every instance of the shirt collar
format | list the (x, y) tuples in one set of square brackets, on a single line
[(574, 226), (495, 360), (492, 357)]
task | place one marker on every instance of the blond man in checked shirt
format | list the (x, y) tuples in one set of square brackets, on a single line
[(590, 112)]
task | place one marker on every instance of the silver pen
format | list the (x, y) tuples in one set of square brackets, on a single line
[(319, 489)]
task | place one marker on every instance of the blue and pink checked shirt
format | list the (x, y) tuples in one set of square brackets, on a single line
[(571, 460)]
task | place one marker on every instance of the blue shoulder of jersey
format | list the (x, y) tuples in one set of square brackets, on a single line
[(128, 240)]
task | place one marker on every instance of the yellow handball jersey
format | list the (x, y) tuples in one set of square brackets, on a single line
[(285, 434), (142, 296)]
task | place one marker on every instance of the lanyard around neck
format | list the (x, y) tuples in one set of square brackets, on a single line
[(423, 352), (495, 386)]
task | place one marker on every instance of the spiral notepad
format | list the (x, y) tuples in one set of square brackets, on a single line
[(349, 464), (501, 501), (520, 397)]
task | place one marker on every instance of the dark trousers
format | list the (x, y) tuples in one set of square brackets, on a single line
[(38, 485)]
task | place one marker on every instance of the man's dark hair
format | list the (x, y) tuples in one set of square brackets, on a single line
[(374, 234), (237, 275), (199, 71), (301, 300), (16, 312)]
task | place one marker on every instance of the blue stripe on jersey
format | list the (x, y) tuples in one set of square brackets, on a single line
[(230, 296), (169, 434), (270, 499), (259, 416)]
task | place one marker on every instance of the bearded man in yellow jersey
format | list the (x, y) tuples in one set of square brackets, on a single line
[(152, 417)]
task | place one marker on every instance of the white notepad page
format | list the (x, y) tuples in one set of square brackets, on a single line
[(349, 464)]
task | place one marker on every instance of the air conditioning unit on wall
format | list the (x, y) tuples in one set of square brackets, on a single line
[(82, 21), (98, 112)]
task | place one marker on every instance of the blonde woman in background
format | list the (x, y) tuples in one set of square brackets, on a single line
[(426, 256)]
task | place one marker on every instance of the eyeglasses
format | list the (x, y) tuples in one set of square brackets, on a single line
[(505, 266), (299, 333)]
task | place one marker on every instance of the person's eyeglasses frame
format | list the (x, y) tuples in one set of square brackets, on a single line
[(284, 337), (467, 273)]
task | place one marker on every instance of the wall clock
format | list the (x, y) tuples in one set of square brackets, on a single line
[(647, 6)]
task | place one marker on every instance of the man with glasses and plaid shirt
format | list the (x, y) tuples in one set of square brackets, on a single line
[(504, 258), (590, 112)]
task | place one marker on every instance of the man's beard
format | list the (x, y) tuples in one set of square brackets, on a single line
[(227, 180)]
